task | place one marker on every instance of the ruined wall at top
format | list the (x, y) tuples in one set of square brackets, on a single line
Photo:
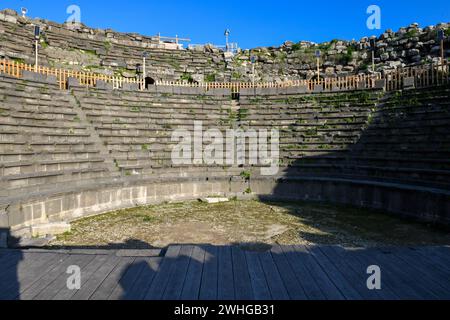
[(407, 46), (110, 52), (105, 51)]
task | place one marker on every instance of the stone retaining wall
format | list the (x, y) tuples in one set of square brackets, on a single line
[(416, 203)]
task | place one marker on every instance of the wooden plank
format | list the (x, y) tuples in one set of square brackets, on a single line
[(414, 277), (345, 287), (366, 260), (274, 281), (128, 280), (437, 282), (438, 254), (260, 288), (10, 259), (156, 290), (10, 264), (145, 279), (178, 274), (432, 261), (208, 288), (225, 289), (292, 285), (6, 253), (323, 281), (112, 280), (61, 281), (191, 288), (48, 278), (86, 274), (25, 275), (242, 284), (312, 289), (392, 274), (93, 282), (356, 272), (351, 271)]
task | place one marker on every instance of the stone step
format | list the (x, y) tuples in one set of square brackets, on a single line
[(54, 228)]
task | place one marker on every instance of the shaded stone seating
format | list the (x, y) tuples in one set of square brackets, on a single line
[(340, 135), (43, 142)]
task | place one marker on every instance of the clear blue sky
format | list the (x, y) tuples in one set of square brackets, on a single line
[(252, 23)]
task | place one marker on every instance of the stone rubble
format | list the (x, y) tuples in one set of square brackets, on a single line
[(108, 52)]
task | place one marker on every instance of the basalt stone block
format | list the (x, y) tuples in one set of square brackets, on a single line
[(32, 76), (151, 88), (219, 92), (247, 92), (73, 83), (361, 86), (226, 92), (335, 89), (164, 89), (177, 90), (101, 84), (380, 84), (409, 83), (195, 91), (51, 79), (272, 91), (291, 90), (181, 90), (38, 77), (302, 89), (318, 88), (264, 92), (295, 90), (130, 86), (282, 91)]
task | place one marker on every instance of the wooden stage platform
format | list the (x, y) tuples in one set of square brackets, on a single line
[(192, 272)]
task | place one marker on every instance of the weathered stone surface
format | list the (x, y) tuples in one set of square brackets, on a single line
[(380, 84), (73, 83), (214, 200), (49, 229), (318, 88), (130, 86), (38, 77), (100, 84), (409, 83)]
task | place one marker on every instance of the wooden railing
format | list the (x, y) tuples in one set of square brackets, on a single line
[(88, 79), (426, 75), (342, 83), (418, 76)]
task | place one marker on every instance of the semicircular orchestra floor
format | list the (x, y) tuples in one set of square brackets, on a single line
[(246, 223)]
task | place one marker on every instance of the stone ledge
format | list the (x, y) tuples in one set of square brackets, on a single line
[(38, 77), (54, 228), (139, 253)]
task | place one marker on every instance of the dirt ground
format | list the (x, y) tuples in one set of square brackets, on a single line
[(250, 224)]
